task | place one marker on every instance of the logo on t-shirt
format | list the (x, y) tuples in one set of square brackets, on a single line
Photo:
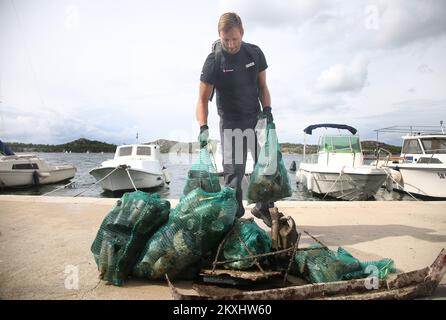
[(250, 65)]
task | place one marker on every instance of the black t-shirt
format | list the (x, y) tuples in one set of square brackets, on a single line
[(236, 81)]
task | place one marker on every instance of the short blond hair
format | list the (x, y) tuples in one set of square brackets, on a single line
[(228, 21)]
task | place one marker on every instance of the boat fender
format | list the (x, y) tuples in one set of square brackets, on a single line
[(310, 182), (166, 175), (396, 175), (36, 179), (389, 184)]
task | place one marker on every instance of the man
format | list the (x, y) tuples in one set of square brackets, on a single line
[(237, 72)]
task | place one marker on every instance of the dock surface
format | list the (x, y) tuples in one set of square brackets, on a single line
[(45, 242)]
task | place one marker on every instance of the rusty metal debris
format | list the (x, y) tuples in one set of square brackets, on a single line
[(249, 275), (295, 247), (408, 285), (283, 230), (285, 239)]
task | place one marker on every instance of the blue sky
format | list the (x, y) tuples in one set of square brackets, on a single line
[(105, 70)]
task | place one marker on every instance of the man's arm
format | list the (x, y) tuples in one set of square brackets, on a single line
[(264, 95), (202, 104)]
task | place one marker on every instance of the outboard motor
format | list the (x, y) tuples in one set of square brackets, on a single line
[(36, 179), (293, 166)]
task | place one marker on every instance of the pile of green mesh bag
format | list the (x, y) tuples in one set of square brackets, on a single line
[(269, 182), (195, 228), (257, 241), (321, 264), (142, 237), (124, 233)]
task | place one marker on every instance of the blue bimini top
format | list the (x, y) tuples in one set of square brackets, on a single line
[(5, 150), (309, 129)]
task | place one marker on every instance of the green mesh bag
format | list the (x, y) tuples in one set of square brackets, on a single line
[(269, 182), (124, 232), (195, 228), (203, 174), (255, 238), (323, 265), (380, 268)]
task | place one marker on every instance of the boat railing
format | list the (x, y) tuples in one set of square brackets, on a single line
[(385, 159), (413, 130)]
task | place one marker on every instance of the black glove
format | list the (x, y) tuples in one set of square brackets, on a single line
[(267, 113), (203, 137)]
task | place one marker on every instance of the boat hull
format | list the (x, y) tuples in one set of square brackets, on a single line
[(25, 178), (119, 179), (422, 180), (347, 186)]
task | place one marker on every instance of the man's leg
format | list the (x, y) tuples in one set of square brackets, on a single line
[(233, 175), (234, 171)]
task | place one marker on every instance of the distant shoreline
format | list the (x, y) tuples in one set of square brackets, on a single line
[(93, 146)]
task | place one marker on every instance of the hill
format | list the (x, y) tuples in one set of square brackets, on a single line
[(79, 145), (84, 145), (370, 146)]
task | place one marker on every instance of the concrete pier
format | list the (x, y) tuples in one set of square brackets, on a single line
[(45, 242)]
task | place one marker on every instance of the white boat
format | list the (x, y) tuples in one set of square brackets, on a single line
[(28, 169), (338, 169), (133, 166), (218, 159), (421, 168)]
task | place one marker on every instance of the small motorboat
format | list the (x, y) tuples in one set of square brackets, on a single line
[(420, 170), (28, 169), (136, 166), (338, 169)]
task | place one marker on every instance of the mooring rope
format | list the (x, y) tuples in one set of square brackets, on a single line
[(334, 183), (130, 177), (387, 171), (71, 182), (98, 181)]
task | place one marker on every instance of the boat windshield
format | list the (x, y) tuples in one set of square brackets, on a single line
[(125, 151), (411, 146), (25, 166), (434, 145), (143, 151), (340, 144)]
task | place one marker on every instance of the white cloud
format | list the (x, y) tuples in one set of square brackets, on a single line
[(340, 77), (403, 22), (275, 13)]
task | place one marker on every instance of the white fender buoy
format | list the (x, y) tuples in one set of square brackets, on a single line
[(166, 175), (396, 175), (393, 176), (389, 184), (310, 182)]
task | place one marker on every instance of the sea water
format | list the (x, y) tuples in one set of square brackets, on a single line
[(177, 166)]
